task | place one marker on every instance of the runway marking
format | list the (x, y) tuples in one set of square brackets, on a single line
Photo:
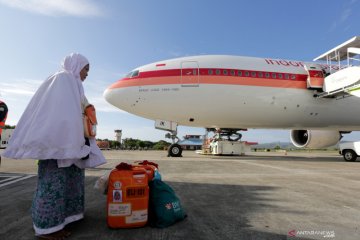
[(268, 166), (7, 178), (10, 179)]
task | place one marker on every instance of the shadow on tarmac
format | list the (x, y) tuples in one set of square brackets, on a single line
[(214, 212)]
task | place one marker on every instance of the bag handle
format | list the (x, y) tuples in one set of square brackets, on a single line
[(146, 162), (124, 166)]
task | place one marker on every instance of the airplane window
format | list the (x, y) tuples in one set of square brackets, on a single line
[(210, 72), (135, 73), (132, 74), (280, 75), (225, 72), (260, 74), (273, 75), (232, 72), (247, 74), (239, 73), (218, 72), (293, 77), (253, 74), (267, 75), (286, 76), (128, 75)]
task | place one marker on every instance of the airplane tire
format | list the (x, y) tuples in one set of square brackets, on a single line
[(175, 150), (349, 155)]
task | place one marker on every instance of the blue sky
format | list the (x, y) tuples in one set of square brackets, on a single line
[(120, 35)]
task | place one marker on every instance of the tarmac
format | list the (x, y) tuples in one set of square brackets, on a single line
[(268, 195)]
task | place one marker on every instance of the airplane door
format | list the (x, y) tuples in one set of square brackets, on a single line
[(315, 76), (189, 74)]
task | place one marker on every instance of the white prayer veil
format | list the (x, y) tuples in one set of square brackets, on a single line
[(51, 126), (74, 63)]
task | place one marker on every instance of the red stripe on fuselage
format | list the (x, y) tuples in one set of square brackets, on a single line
[(216, 76)]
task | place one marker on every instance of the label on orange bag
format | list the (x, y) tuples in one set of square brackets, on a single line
[(137, 216), (135, 192), (119, 209), (117, 196)]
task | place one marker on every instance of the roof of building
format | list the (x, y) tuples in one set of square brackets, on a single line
[(189, 142)]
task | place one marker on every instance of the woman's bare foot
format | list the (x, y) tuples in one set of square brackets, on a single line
[(60, 235), (66, 233)]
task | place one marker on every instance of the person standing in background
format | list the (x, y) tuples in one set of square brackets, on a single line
[(3, 115)]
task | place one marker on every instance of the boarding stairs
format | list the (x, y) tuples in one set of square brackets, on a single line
[(344, 80)]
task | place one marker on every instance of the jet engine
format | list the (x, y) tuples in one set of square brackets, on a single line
[(314, 138)]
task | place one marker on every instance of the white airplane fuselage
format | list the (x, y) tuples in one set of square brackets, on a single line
[(231, 92)]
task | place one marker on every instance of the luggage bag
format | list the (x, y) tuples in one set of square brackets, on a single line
[(127, 197)]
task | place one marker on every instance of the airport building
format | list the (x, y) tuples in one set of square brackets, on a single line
[(191, 142)]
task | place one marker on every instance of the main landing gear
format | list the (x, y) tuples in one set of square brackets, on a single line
[(227, 134), (226, 141)]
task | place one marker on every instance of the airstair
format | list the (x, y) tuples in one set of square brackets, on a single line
[(343, 78)]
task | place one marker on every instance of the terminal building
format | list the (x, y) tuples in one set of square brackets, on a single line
[(191, 142)]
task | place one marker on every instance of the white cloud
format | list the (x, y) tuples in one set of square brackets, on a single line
[(80, 8), (18, 92), (346, 13), (20, 87)]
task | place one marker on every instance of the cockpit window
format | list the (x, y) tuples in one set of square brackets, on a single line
[(132, 74), (135, 73)]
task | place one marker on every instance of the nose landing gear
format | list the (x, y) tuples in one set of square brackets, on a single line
[(175, 150)]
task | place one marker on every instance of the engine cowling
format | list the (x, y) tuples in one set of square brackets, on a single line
[(314, 138)]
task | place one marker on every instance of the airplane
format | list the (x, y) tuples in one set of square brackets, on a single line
[(238, 93)]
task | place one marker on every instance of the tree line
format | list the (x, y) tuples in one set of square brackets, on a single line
[(128, 143), (132, 144)]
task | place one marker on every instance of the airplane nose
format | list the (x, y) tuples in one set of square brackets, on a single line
[(123, 94), (120, 97), (109, 96)]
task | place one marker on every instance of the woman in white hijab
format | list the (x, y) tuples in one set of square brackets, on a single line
[(51, 129)]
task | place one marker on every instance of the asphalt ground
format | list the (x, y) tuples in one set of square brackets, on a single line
[(291, 195)]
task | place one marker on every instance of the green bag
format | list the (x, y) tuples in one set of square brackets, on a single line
[(164, 207)]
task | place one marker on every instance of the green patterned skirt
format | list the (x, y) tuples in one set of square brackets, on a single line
[(59, 197)]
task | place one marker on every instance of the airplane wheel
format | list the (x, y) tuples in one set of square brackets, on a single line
[(349, 155), (175, 150)]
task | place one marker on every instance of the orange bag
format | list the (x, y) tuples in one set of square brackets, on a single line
[(127, 197), (150, 168), (90, 121)]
